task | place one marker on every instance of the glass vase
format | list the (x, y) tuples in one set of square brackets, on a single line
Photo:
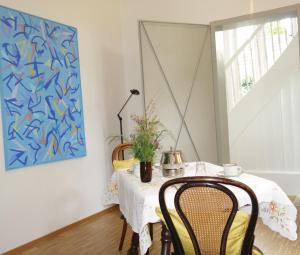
[(146, 171)]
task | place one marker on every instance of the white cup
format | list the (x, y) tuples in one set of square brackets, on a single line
[(232, 170)]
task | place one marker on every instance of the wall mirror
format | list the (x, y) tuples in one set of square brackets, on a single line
[(177, 76)]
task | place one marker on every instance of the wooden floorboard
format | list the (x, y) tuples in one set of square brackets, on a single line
[(101, 236)]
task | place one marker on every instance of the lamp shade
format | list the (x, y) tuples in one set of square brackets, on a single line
[(134, 92)]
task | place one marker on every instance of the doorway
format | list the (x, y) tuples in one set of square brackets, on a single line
[(257, 93)]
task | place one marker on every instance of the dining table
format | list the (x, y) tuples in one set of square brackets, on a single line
[(138, 201)]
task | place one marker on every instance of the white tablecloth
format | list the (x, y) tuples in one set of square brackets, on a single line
[(138, 200)]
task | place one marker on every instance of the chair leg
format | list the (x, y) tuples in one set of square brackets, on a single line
[(151, 230), (134, 248), (124, 229), (165, 240)]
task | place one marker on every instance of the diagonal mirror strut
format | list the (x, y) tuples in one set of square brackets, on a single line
[(192, 87), (182, 116)]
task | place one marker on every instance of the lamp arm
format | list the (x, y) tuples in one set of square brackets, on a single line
[(120, 119), (124, 106)]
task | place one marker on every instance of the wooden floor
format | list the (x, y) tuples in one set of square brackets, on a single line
[(101, 236)]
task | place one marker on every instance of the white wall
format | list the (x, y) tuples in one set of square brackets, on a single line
[(259, 5), (37, 200)]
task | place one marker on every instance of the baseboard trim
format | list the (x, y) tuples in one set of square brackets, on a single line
[(22, 248)]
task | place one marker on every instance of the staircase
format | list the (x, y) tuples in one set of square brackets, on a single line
[(263, 97), (250, 52)]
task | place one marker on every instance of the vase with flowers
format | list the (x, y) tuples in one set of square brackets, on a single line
[(145, 140)]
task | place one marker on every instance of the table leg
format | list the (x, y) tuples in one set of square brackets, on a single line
[(134, 244), (165, 240)]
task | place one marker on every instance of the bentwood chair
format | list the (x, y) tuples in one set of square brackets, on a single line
[(119, 150), (207, 208), (118, 154)]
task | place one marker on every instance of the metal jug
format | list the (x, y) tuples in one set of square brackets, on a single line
[(172, 163)]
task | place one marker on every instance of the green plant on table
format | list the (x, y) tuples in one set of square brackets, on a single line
[(147, 134)]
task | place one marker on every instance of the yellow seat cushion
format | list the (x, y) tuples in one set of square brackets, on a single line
[(235, 237), (181, 230), (124, 164), (236, 233)]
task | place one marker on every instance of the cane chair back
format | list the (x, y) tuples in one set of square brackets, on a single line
[(207, 208)]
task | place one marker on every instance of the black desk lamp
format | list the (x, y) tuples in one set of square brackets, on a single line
[(132, 92)]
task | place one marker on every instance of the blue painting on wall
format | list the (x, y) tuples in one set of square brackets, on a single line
[(41, 99)]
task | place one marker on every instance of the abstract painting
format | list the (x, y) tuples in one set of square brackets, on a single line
[(41, 99)]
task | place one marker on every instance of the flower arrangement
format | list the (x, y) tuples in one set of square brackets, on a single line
[(147, 134)]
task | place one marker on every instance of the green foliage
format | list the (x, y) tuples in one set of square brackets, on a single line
[(143, 147), (247, 83), (275, 28), (147, 135)]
